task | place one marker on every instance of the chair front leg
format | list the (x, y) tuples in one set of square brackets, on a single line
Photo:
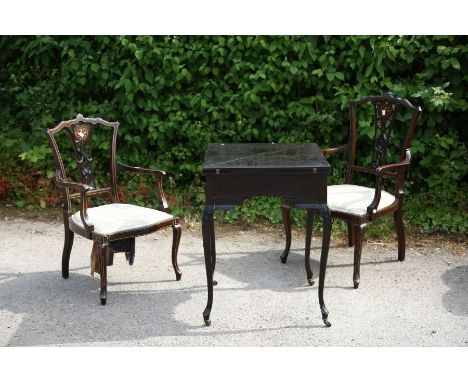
[(400, 230), (67, 247), (103, 250), (176, 234), (358, 237), (350, 234)]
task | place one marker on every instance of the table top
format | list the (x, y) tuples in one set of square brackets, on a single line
[(245, 156)]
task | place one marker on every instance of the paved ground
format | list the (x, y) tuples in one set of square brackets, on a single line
[(422, 301)]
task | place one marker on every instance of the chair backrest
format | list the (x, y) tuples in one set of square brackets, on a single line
[(386, 109), (80, 132)]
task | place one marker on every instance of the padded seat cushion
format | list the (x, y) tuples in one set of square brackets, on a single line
[(352, 199), (114, 218)]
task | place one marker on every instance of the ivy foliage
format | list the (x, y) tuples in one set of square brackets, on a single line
[(174, 94)]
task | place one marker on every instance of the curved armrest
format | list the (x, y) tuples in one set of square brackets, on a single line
[(83, 189), (395, 166), (158, 174), (380, 171), (65, 183), (140, 170), (334, 150)]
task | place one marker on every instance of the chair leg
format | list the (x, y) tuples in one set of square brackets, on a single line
[(176, 234), (67, 247), (358, 237), (308, 239), (103, 250), (398, 219), (350, 234), (287, 230)]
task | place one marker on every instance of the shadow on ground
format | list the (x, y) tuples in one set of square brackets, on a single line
[(456, 299), (56, 311)]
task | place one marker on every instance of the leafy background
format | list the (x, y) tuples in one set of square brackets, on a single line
[(174, 94)]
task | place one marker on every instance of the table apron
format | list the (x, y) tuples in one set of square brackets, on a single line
[(294, 189)]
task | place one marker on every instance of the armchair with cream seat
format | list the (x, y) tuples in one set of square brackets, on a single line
[(112, 227), (358, 204)]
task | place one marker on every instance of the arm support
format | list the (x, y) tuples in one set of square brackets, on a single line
[(380, 172), (140, 170), (82, 189), (163, 205)]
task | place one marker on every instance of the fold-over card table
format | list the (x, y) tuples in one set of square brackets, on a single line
[(295, 172)]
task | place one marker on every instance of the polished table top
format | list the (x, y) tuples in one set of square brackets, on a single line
[(245, 156)]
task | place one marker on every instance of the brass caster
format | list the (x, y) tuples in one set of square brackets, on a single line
[(207, 322), (310, 281), (356, 284), (215, 282), (178, 276), (326, 322), (103, 301)]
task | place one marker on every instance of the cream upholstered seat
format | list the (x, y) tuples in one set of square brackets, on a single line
[(116, 218), (354, 200)]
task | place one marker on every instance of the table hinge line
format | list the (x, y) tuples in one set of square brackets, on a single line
[(255, 155)]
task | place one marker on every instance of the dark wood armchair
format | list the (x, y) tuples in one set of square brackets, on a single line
[(113, 226), (358, 204)]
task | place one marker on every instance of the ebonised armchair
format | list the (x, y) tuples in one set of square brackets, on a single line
[(358, 204), (113, 226)]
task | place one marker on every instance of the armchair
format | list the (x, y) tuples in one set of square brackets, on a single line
[(357, 204), (112, 227)]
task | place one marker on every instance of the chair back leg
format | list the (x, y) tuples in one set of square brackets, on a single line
[(400, 230)]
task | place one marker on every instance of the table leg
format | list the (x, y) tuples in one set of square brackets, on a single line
[(213, 249), (308, 239), (326, 216), (210, 255), (287, 230)]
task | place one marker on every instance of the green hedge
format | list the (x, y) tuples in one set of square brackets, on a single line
[(174, 94)]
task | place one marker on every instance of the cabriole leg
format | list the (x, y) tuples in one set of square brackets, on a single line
[(308, 239), (325, 212), (213, 250), (208, 246)]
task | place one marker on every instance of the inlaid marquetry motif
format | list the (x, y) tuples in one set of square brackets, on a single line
[(81, 133)]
